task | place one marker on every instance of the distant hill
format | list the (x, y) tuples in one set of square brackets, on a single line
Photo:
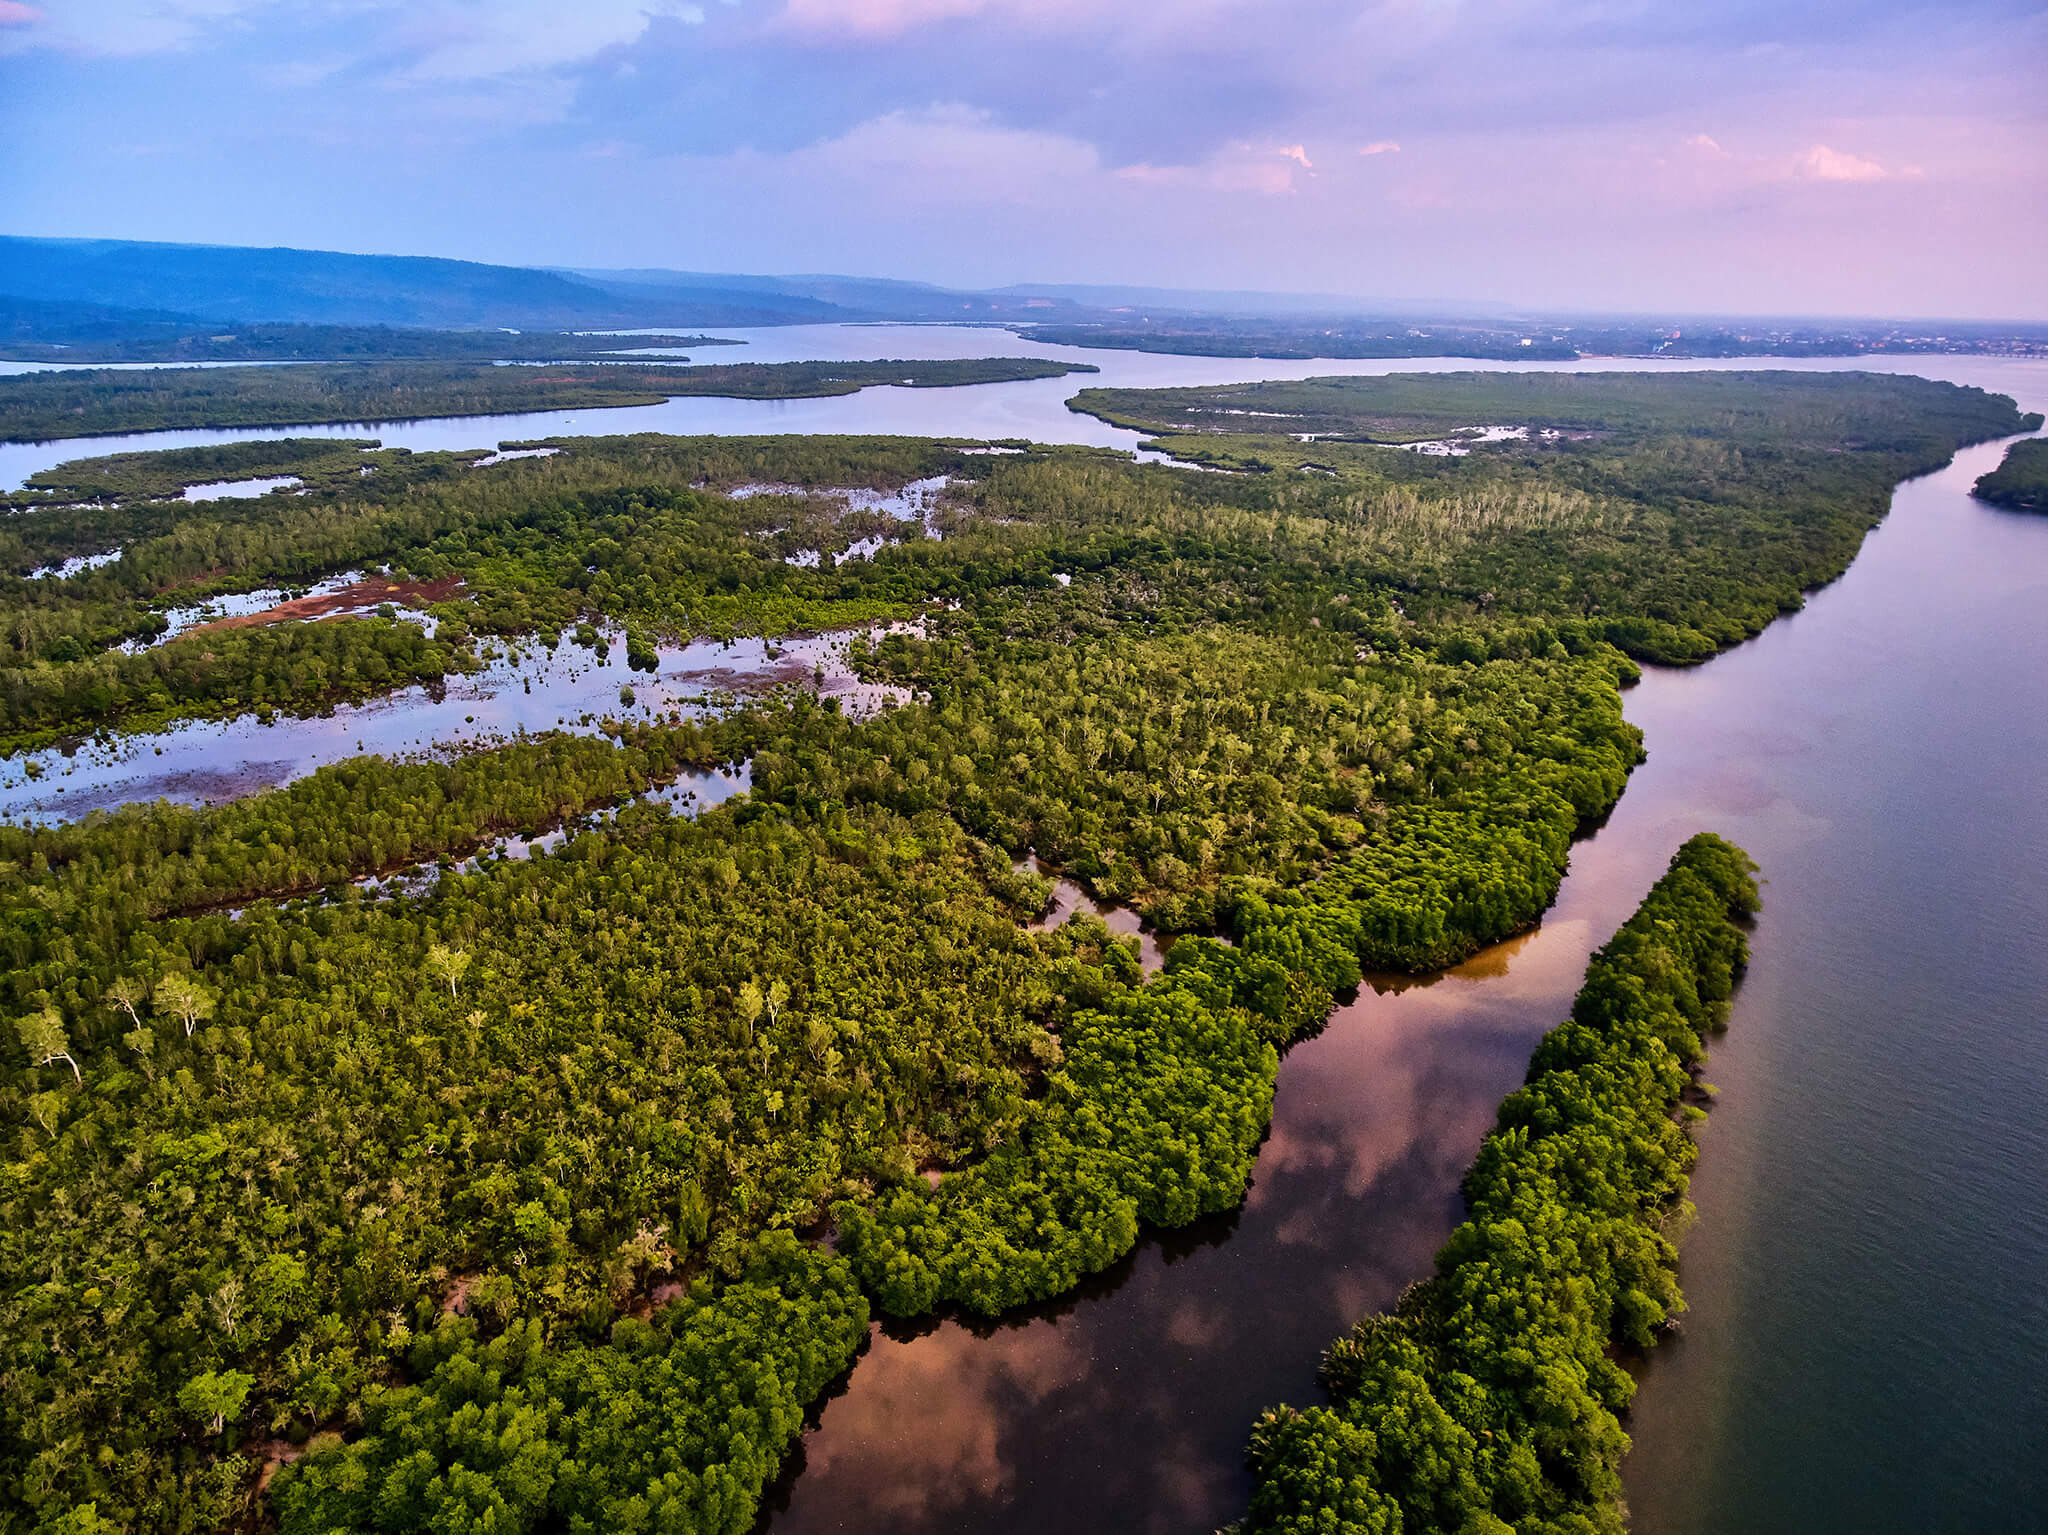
[(240, 283), (245, 285), (129, 300)]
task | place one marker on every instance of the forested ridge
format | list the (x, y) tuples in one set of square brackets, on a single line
[(490, 1203)]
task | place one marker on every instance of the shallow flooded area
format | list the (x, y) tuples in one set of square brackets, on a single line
[(525, 689), (1069, 898)]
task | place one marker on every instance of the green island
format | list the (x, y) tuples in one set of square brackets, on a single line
[(89, 402), (1531, 339), (131, 478), (1208, 337), (2021, 480), (501, 1201)]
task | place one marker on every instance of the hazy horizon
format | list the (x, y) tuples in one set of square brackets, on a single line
[(1109, 293), (1827, 161)]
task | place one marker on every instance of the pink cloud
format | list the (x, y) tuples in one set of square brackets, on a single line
[(14, 14), (1380, 147), (1296, 153), (1706, 144)]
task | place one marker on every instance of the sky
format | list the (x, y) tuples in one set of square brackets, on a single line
[(1690, 156)]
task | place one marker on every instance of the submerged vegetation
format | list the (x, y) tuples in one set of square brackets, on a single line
[(490, 1202), (88, 402), (2021, 481)]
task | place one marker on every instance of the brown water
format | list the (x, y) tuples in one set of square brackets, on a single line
[(1869, 1337)]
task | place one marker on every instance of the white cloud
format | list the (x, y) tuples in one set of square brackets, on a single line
[(1297, 153), (129, 27), (1822, 163), (957, 151), (468, 40), (1380, 147), (1706, 144), (436, 40)]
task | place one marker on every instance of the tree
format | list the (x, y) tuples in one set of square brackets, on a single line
[(128, 992), (750, 1004), (184, 999), (216, 1395), (446, 964), (142, 1040), (43, 1037)]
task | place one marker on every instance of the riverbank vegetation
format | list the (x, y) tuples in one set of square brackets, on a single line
[(490, 1201), (1664, 542), (1489, 1399), (90, 402), (2021, 480)]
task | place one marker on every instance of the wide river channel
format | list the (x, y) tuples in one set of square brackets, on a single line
[(1867, 1346)]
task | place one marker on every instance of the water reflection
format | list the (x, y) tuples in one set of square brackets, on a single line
[(1069, 898), (241, 490), (1126, 1406), (1864, 1276)]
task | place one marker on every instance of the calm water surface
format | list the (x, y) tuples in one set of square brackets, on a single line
[(1868, 1344), (522, 691), (1034, 409)]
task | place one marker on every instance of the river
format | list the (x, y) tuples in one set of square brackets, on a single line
[(1034, 408), (1868, 1342)]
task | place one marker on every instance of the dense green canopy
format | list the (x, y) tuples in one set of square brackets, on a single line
[(487, 1201), (2021, 481)]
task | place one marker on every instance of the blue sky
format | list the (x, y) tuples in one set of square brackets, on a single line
[(1719, 155)]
